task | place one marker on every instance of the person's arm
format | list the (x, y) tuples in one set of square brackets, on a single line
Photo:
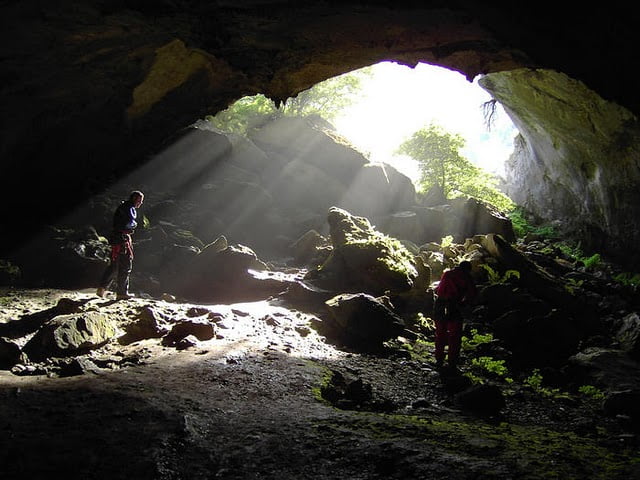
[(131, 224)]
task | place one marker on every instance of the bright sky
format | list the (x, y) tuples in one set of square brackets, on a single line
[(400, 100)]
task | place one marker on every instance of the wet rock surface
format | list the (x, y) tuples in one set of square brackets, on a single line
[(268, 397)]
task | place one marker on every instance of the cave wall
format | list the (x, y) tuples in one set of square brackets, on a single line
[(91, 89), (576, 162)]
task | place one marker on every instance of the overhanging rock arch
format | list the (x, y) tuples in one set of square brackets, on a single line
[(576, 161), (92, 88)]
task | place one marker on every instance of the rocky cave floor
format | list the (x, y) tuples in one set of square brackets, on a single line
[(253, 402)]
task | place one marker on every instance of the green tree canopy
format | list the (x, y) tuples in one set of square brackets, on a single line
[(443, 166), (326, 99), (245, 114)]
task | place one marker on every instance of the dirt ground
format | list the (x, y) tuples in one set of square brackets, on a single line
[(252, 403)]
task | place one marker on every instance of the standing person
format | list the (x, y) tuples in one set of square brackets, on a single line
[(456, 288), (124, 223)]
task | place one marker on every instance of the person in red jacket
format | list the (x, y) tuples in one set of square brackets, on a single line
[(455, 289)]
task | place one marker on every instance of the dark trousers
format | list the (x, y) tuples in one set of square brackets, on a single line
[(122, 264), (448, 319)]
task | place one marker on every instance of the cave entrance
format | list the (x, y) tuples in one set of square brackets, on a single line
[(379, 107)]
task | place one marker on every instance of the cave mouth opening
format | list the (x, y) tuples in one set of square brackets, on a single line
[(376, 108)]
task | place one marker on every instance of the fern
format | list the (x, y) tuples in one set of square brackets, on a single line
[(446, 241), (591, 261), (572, 284), (628, 279), (494, 277)]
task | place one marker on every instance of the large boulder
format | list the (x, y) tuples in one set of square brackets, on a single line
[(628, 336), (363, 321), (72, 334), (606, 368), (225, 276), (10, 353), (63, 258), (404, 225), (301, 185), (308, 247), (363, 259), (299, 138), (474, 218), (378, 189), (538, 340)]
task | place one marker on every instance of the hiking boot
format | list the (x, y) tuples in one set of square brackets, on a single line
[(101, 292)]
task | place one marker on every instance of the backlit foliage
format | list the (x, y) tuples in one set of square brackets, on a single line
[(444, 167)]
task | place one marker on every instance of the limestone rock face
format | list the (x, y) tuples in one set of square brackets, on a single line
[(576, 159)]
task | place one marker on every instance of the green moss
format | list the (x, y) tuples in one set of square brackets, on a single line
[(325, 380), (527, 452), (394, 256)]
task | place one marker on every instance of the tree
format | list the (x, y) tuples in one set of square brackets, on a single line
[(438, 154), (442, 166), (245, 114), (328, 98)]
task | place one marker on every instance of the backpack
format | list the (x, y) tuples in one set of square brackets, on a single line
[(447, 288)]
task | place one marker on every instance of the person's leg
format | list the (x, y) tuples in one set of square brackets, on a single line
[(107, 278), (454, 328), (125, 264), (441, 339)]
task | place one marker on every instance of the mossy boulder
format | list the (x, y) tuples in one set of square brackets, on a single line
[(363, 259), (68, 335)]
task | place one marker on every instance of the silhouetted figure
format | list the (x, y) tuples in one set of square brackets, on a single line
[(124, 224), (456, 288)]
